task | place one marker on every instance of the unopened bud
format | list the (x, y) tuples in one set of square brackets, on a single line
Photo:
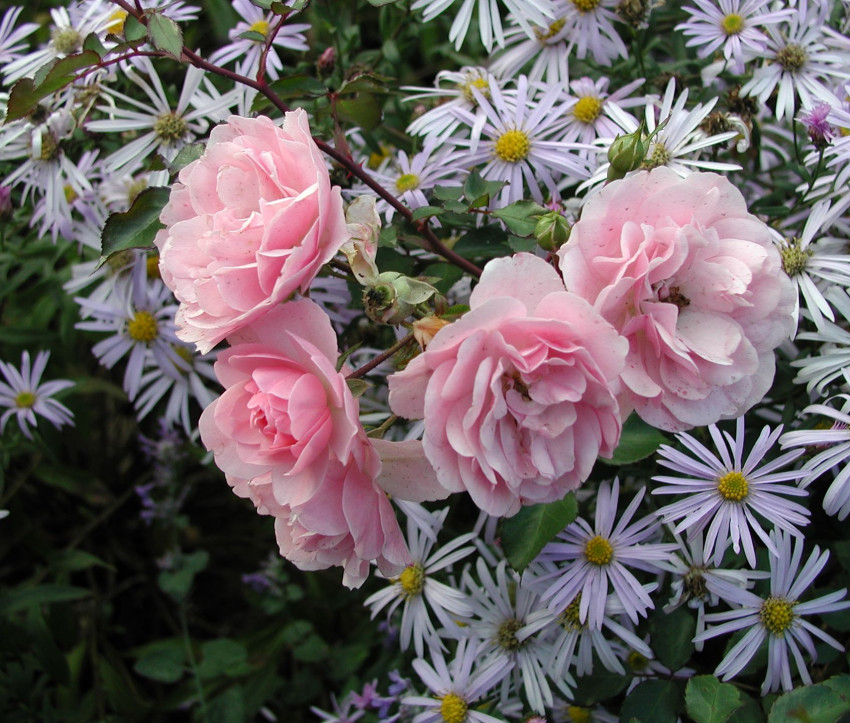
[(627, 153), (425, 329), (327, 60), (552, 231), (364, 227), (392, 297)]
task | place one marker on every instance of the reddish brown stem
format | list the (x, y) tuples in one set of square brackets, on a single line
[(381, 358)]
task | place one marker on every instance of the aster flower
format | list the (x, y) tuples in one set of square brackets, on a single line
[(458, 686), (832, 448), (24, 396), (736, 26), (797, 62), (416, 590), (592, 112), (832, 362), (588, 27), (525, 13), (590, 560), (547, 46), (778, 619), (725, 492), (504, 610), (817, 124), (249, 49), (11, 45), (517, 143)]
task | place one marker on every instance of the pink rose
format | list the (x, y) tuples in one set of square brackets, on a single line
[(692, 280), (250, 222), (519, 395), (286, 432)]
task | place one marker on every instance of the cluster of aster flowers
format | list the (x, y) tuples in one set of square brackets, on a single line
[(636, 279)]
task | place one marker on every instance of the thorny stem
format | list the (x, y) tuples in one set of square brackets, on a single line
[(382, 357), (432, 243)]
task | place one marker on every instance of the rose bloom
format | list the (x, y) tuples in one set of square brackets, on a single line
[(518, 395), (286, 432), (692, 280), (247, 224)]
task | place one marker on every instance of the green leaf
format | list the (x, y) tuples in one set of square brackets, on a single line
[(597, 687), (165, 34), (358, 387), (749, 712), (23, 598), (363, 110), (518, 243), (671, 637), (525, 534), (448, 193), (426, 212), (811, 704), (253, 35), (186, 155), (73, 560), (638, 441), (165, 664), (229, 707), (520, 217), (178, 582), (710, 701), (484, 242), (379, 3), (93, 43), (27, 92), (223, 657), (298, 86), (653, 701), (368, 82), (476, 189), (137, 227), (134, 31)]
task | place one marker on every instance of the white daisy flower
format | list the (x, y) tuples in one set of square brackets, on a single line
[(592, 112), (832, 448), (458, 686), (589, 30), (725, 492), (24, 395), (419, 593), (832, 362), (11, 45), (778, 619)]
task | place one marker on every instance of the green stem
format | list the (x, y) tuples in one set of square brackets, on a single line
[(184, 629)]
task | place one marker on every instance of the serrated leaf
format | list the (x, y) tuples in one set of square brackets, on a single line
[(448, 193), (295, 86), (253, 35), (812, 704), (426, 212), (653, 701), (363, 110), (637, 441), (93, 43), (525, 534), (26, 93), (710, 701), (671, 637), (137, 227), (21, 599), (162, 664), (520, 217), (475, 187), (134, 31), (186, 155), (165, 34)]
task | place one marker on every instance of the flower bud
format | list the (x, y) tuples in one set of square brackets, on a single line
[(552, 231), (627, 153), (364, 227), (327, 60), (392, 297)]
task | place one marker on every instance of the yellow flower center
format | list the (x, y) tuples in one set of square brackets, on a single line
[(453, 708), (636, 661), (142, 327), (506, 635), (733, 486), (475, 82), (579, 715), (70, 193), (49, 147), (116, 27), (776, 615), (152, 267), (587, 109), (598, 551), (732, 24), (261, 27), (695, 583), (412, 580), (586, 6), (513, 146), (544, 34), (658, 157), (170, 127), (407, 182), (24, 400), (792, 58), (569, 619), (794, 258)]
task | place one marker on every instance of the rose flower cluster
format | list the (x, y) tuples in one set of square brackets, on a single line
[(668, 300)]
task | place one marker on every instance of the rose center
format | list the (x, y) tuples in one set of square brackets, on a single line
[(733, 486), (407, 182), (792, 58), (598, 551), (732, 24), (412, 580), (513, 146), (170, 127), (453, 708), (776, 615), (587, 109), (24, 400), (142, 327)]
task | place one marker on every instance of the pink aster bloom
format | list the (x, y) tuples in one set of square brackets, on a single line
[(518, 396), (694, 283), (250, 222), (286, 432)]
